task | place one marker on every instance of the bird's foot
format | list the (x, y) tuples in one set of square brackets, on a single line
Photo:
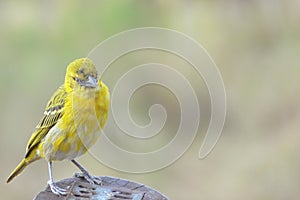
[(57, 190), (91, 179)]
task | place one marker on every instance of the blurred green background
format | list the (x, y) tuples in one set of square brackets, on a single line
[(255, 44)]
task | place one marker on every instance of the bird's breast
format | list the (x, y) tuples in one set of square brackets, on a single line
[(77, 130)]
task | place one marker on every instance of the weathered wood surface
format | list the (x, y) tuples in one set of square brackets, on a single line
[(111, 189)]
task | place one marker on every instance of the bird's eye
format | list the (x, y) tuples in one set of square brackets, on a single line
[(81, 71), (75, 79)]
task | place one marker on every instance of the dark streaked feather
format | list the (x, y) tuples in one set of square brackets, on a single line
[(52, 114)]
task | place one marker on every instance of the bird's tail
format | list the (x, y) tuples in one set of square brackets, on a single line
[(19, 169)]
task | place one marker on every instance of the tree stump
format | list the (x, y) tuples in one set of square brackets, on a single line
[(111, 189)]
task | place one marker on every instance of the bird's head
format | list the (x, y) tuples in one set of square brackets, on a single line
[(81, 72)]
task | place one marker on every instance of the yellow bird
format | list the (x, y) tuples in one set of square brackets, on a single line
[(73, 117)]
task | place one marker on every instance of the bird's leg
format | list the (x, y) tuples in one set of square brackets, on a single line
[(54, 188), (86, 175)]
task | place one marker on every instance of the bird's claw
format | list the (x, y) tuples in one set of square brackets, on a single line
[(57, 190), (89, 178)]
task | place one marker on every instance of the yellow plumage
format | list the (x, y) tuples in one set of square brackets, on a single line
[(72, 120)]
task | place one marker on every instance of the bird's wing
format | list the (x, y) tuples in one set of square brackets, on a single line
[(52, 114)]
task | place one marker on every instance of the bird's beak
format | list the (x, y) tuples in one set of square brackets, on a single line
[(91, 82)]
